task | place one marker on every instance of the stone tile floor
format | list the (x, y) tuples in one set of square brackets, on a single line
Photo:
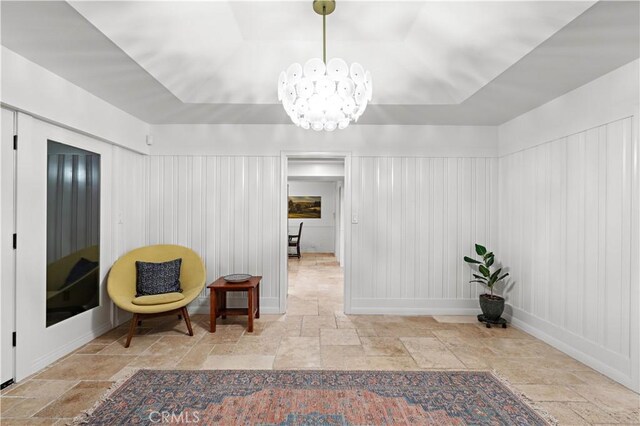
[(315, 334)]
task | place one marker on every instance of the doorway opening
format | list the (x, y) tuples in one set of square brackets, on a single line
[(315, 214)]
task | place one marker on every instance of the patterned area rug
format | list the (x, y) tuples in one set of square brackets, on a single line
[(313, 398)]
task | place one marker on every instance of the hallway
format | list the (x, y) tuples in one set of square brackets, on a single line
[(316, 285)]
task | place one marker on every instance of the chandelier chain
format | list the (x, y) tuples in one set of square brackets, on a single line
[(324, 34)]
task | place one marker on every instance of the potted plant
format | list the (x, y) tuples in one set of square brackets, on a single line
[(492, 305)]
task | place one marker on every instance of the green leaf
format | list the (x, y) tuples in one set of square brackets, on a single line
[(496, 273), (470, 260), (503, 277), (481, 250), (484, 271), (489, 261), (476, 281), (480, 277), (488, 255)]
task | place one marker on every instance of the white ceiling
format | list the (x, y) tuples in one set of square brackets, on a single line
[(443, 63), (419, 52)]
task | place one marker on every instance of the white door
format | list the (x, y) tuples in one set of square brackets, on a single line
[(7, 253), (38, 344)]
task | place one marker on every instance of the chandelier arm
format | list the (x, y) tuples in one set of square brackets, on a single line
[(324, 34)]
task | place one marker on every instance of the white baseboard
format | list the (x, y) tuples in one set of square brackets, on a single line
[(611, 364), (76, 343), (412, 311), (370, 306)]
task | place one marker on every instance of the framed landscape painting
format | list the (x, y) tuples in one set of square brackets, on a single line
[(305, 207)]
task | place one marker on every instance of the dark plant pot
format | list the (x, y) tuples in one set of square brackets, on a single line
[(492, 306)]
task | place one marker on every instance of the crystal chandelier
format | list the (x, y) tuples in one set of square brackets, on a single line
[(324, 95)]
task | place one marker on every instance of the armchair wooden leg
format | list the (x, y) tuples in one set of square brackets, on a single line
[(132, 330), (187, 319)]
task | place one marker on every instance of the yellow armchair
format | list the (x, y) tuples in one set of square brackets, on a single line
[(121, 284)]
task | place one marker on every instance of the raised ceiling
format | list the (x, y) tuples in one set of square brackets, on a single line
[(421, 53), (218, 62)]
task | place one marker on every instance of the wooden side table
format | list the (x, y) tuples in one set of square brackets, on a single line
[(218, 300)]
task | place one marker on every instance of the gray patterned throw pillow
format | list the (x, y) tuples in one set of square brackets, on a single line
[(157, 278)]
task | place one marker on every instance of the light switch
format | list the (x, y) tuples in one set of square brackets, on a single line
[(354, 218)]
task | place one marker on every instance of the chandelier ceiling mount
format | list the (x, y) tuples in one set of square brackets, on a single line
[(324, 7)]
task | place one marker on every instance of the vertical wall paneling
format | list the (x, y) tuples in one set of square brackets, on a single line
[(130, 210), (566, 232), (634, 273), (226, 209), (130, 186), (417, 218)]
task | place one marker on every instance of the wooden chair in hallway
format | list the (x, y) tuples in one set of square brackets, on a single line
[(294, 241)]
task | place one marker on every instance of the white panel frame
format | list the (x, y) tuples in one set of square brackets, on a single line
[(38, 345), (284, 231)]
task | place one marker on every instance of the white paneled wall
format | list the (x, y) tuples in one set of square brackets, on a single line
[(130, 177), (566, 231), (226, 209), (417, 218), (129, 213)]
